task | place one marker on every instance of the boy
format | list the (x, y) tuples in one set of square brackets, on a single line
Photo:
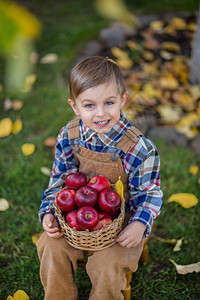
[(103, 142)]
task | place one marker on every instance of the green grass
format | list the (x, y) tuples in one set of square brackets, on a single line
[(66, 26)]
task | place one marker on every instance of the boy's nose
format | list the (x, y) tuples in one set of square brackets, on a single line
[(100, 112)]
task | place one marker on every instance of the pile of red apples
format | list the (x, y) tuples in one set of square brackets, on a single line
[(88, 204)]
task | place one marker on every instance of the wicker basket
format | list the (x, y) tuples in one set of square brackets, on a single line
[(95, 240)]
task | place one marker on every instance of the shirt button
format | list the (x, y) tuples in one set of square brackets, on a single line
[(114, 158)]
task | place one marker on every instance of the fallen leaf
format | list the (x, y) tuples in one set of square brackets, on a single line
[(50, 141), (7, 104), (185, 269), (178, 245), (166, 55), (194, 169), (168, 241), (50, 58), (168, 81), (168, 114), (185, 199), (5, 127), (186, 130), (36, 237), (46, 171), (9, 298), (170, 46), (157, 25), (178, 23), (192, 26), (17, 126), (30, 80), (17, 104), (4, 204), (20, 295), (124, 62), (28, 149)]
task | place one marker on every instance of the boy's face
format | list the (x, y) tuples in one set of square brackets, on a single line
[(99, 107)]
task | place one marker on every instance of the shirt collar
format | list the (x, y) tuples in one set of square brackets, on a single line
[(110, 137)]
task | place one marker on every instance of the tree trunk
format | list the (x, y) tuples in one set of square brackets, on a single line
[(195, 56)]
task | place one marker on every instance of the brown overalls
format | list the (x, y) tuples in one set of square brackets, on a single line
[(106, 268)]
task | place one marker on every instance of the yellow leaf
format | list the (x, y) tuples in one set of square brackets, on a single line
[(9, 298), (168, 241), (192, 26), (4, 204), (190, 133), (148, 55), (30, 79), (170, 46), (36, 237), (185, 199), (28, 148), (50, 58), (157, 25), (46, 171), (178, 245), (166, 55), (20, 295), (5, 127), (194, 170), (168, 114), (17, 126), (120, 188), (178, 23), (185, 269), (124, 62), (189, 119), (168, 81)]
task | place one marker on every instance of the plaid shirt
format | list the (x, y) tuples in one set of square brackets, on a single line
[(141, 164)]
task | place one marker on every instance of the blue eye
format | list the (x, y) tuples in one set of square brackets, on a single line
[(89, 106), (109, 103)]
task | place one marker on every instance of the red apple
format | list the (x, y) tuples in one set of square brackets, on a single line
[(65, 200), (109, 201), (87, 217), (104, 219), (75, 180), (86, 196), (99, 183), (71, 220)]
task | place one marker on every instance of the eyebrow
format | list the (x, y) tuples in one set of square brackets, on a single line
[(90, 100)]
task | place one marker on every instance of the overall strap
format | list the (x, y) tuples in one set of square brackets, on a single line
[(73, 129), (129, 139)]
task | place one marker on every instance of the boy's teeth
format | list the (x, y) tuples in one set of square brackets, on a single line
[(104, 122)]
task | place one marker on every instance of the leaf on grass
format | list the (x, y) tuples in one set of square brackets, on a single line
[(168, 241), (178, 23), (50, 141), (46, 171), (185, 269), (194, 169), (28, 149), (7, 104), (50, 58), (4, 204), (190, 133), (17, 126), (9, 298), (5, 127), (123, 59), (29, 81), (36, 237), (185, 199), (17, 104), (20, 295), (178, 245), (120, 188)]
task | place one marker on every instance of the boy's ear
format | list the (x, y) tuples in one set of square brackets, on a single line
[(74, 107), (123, 101)]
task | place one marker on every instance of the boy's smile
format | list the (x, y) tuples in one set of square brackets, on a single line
[(99, 107)]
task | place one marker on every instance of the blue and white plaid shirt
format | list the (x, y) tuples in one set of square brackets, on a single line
[(141, 164)]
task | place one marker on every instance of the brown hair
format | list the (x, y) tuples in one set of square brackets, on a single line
[(94, 71)]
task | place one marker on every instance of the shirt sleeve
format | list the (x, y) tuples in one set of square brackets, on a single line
[(143, 168), (64, 163)]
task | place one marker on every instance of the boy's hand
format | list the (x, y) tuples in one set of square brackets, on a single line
[(132, 234), (50, 225)]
